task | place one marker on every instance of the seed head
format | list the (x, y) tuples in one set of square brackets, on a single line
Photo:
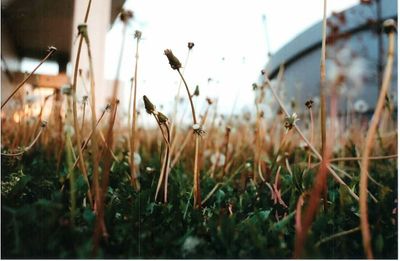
[(361, 106), (125, 15), (85, 98), (290, 121), (197, 129), (43, 124), (173, 61), (209, 101), (190, 45), (389, 26), (138, 34), (136, 158), (309, 104), (254, 85), (69, 130), (51, 49), (108, 107), (82, 29), (218, 159), (196, 91), (162, 118), (150, 108)]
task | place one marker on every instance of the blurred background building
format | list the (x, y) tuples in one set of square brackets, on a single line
[(356, 52), (29, 27)]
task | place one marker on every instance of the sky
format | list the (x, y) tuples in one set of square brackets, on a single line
[(232, 39)]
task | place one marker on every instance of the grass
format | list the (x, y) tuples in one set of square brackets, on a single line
[(256, 185)]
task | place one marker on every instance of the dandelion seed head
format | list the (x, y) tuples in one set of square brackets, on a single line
[(360, 106), (218, 159), (190, 244), (137, 159), (69, 130)]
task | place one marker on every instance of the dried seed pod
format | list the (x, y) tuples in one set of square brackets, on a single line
[(190, 45), (309, 104), (197, 129), (173, 61), (82, 29), (162, 118), (389, 26), (290, 121), (196, 91), (150, 108), (138, 34), (51, 49), (125, 15), (43, 124)]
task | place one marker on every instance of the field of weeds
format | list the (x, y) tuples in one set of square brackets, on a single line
[(79, 184)]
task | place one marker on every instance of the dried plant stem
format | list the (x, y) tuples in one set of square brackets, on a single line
[(100, 228), (196, 178), (182, 147), (94, 123), (323, 82), (51, 51), (28, 147), (166, 161), (227, 135), (179, 89), (103, 139), (74, 103), (185, 141), (176, 106), (196, 185), (83, 116), (368, 147), (69, 157), (211, 193), (134, 180), (39, 122), (317, 190), (257, 152), (114, 100), (166, 168), (190, 97), (311, 134), (340, 234), (298, 219), (395, 156)]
